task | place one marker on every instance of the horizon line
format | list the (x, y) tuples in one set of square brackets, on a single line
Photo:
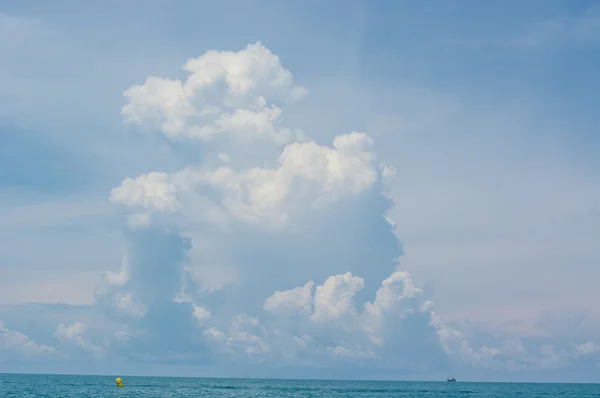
[(291, 378)]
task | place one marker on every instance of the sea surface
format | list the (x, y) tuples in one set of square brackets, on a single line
[(54, 386)]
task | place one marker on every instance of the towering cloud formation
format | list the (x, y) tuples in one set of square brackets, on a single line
[(226, 254)]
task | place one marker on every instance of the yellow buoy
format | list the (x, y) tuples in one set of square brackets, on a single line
[(119, 382)]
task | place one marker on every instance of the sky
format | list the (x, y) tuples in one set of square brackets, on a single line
[(343, 189)]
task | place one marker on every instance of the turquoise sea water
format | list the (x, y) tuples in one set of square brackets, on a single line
[(53, 386)]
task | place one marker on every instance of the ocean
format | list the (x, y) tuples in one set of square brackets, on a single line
[(59, 386)]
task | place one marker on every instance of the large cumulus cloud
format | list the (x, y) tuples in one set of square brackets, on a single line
[(274, 247)]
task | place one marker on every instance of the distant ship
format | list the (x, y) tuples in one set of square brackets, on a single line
[(451, 380)]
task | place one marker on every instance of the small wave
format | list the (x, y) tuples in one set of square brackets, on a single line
[(228, 387)]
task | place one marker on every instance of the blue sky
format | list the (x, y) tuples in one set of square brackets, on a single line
[(351, 189)]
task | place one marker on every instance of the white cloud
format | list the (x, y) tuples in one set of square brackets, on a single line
[(215, 334), (72, 332), (307, 173), (75, 333), (376, 332), (246, 335), (588, 348), (152, 191), (225, 93), (358, 334), (217, 241), (201, 312), (13, 342), (335, 297), (294, 301)]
